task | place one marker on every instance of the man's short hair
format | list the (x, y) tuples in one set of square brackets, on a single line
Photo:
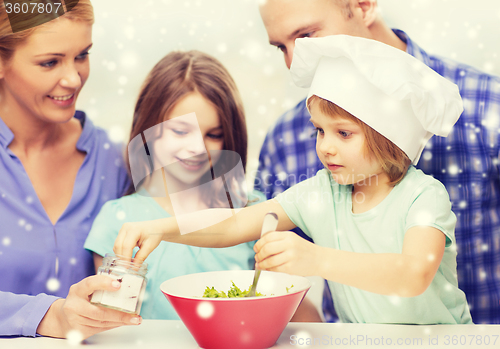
[(345, 7)]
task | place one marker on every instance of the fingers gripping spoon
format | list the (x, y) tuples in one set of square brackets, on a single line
[(270, 224)]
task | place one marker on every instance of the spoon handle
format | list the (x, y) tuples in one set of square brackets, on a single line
[(270, 224)]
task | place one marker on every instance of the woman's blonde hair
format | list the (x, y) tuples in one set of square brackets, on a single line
[(9, 41), (175, 76), (393, 160)]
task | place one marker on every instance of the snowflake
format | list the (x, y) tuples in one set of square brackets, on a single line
[(121, 215), (205, 310), (111, 66), (395, 300), (222, 48), (74, 338), (122, 80), (116, 133), (53, 284), (304, 335), (282, 176), (262, 110), (453, 169)]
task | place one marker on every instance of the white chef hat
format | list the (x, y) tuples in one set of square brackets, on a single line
[(389, 90)]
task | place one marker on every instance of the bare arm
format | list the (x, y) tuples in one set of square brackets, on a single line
[(404, 274), (215, 228)]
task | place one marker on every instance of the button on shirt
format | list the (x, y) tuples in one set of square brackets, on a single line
[(39, 261), (466, 162)]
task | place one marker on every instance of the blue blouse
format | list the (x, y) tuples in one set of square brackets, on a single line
[(39, 261)]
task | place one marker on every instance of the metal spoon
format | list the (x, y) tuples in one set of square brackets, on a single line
[(270, 224)]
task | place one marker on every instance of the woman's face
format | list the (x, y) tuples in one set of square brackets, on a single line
[(43, 78), (182, 148)]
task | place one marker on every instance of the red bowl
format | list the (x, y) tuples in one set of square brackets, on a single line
[(220, 323)]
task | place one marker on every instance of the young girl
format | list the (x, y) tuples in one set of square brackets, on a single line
[(182, 152), (383, 231)]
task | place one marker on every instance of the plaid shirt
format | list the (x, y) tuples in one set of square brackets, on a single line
[(466, 162)]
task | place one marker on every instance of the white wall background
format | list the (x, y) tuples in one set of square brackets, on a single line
[(130, 36)]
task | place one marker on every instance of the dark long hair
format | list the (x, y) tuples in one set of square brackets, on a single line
[(178, 74)]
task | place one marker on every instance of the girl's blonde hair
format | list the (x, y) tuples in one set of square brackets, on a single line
[(175, 76), (9, 41), (393, 160)]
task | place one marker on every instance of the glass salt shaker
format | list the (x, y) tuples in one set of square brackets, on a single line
[(131, 275)]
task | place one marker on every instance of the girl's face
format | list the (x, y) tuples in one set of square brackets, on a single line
[(340, 146), (47, 72), (186, 139)]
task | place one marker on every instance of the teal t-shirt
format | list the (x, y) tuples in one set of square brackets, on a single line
[(168, 260), (323, 210)]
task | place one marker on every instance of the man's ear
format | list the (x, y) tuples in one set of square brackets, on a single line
[(370, 11)]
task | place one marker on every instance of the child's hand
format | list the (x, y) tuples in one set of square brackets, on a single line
[(146, 235), (285, 251)]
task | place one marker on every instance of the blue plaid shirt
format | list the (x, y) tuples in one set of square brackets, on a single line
[(466, 162)]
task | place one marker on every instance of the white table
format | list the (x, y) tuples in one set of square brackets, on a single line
[(153, 334)]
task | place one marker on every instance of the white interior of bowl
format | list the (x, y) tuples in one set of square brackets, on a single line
[(271, 284)]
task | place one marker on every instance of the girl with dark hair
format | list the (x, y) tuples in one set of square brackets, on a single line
[(188, 123)]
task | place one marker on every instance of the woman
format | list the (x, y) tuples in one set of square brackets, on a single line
[(57, 171)]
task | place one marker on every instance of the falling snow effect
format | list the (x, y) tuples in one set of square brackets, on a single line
[(304, 335), (121, 215), (74, 338), (53, 284), (205, 310)]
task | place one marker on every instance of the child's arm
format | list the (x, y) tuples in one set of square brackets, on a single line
[(405, 274), (244, 225)]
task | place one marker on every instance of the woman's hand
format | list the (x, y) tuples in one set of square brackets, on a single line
[(285, 251), (77, 313), (147, 235)]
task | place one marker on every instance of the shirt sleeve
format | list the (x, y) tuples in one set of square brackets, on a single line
[(20, 314), (301, 203), (105, 228), (431, 206)]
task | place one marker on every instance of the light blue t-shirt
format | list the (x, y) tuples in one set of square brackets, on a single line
[(323, 210), (168, 260)]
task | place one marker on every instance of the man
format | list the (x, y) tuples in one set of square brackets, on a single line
[(466, 162)]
